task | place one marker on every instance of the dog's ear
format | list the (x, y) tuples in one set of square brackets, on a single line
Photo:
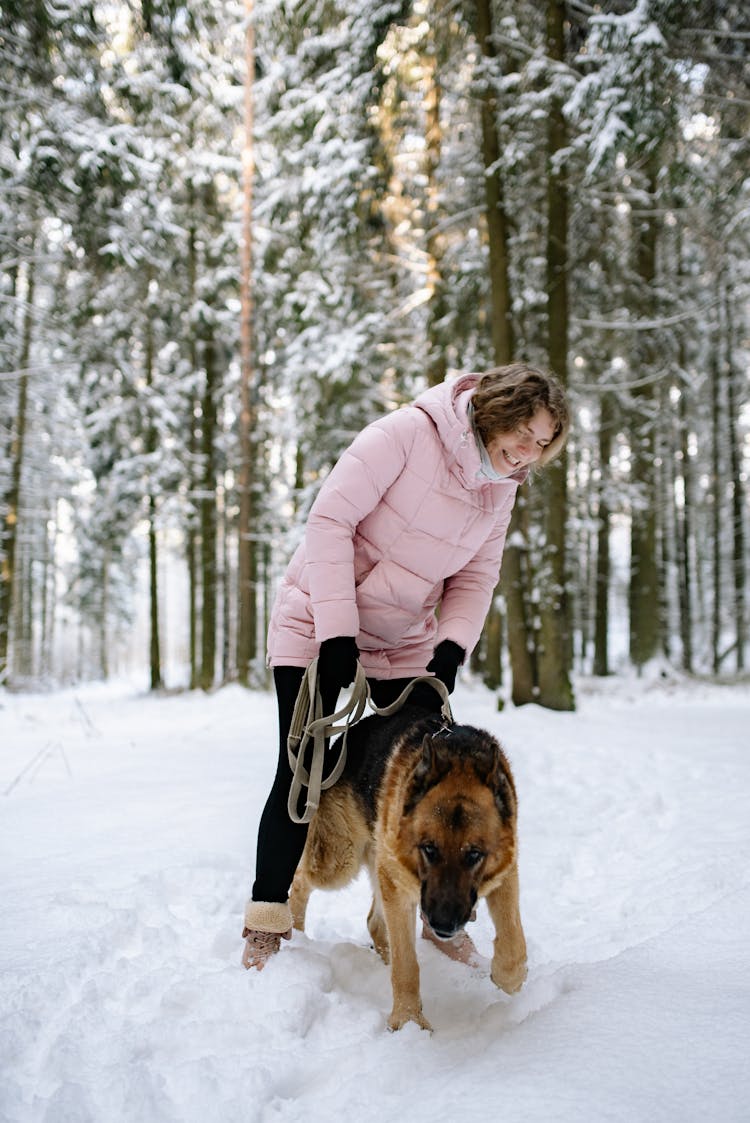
[(501, 783), (426, 765), (429, 769)]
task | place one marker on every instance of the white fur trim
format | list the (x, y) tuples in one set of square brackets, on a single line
[(268, 916)]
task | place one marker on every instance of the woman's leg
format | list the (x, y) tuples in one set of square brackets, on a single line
[(280, 840)]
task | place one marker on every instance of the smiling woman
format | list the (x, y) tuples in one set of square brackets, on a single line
[(412, 518), (521, 417), (524, 445)]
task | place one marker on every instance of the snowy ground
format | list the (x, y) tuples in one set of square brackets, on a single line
[(126, 849)]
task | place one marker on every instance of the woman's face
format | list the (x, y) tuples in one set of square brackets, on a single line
[(523, 445)]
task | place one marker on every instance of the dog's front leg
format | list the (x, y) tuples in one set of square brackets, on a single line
[(400, 917), (509, 959)]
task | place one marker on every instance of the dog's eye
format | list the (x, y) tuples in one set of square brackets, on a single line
[(473, 856), (429, 851)]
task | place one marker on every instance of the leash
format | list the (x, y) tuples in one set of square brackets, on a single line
[(436, 683), (309, 723)]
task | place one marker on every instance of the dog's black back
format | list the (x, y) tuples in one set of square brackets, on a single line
[(369, 745)]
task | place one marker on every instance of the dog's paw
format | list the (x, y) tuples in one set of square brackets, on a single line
[(400, 1016), (509, 977)]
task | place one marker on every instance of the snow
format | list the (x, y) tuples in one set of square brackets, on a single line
[(127, 836)]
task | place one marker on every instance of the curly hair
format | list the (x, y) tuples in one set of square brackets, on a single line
[(509, 396)]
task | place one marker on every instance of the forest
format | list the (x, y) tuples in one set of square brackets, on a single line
[(233, 233)]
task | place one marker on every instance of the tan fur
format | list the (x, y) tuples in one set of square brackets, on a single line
[(460, 815)]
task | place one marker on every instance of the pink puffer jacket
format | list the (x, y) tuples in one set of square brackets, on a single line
[(404, 522)]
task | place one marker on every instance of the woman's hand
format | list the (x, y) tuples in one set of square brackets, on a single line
[(446, 660), (337, 664)]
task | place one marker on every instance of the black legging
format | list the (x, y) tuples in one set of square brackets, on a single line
[(280, 840)]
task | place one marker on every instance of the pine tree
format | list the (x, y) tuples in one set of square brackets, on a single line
[(321, 263)]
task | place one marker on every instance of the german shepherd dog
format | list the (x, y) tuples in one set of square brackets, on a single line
[(430, 809)]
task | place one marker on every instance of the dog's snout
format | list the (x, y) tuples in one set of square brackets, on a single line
[(445, 928), (446, 917), (443, 935)]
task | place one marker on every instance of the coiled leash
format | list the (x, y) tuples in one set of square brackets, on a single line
[(310, 724)]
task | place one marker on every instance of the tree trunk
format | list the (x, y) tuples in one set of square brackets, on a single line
[(521, 646), (154, 645), (664, 484), (501, 319), (192, 566), (644, 592), (12, 498), (583, 582), (738, 505), (49, 573), (153, 569), (716, 437), (512, 587), (555, 688), (192, 537), (603, 567), (208, 514), (267, 599), (247, 610), (683, 515), (226, 593), (104, 618), (23, 661), (492, 662)]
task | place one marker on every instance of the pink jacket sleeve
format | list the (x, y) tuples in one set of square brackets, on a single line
[(352, 490), (468, 594)]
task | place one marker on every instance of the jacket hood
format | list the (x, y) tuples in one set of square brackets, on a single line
[(447, 406)]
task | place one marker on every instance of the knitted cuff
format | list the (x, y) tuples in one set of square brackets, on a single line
[(268, 916)]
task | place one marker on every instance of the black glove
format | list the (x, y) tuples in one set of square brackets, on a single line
[(337, 664), (446, 660)]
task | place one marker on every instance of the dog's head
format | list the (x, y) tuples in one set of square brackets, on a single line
[(458, 824)]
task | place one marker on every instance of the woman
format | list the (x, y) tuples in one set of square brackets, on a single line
[(412, 517)]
